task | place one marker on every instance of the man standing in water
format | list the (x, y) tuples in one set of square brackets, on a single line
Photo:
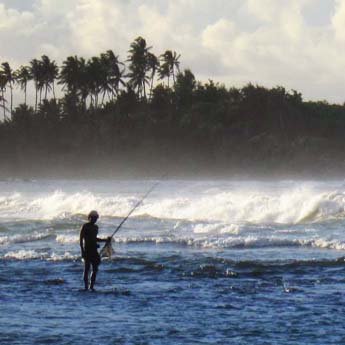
[(88, 246)]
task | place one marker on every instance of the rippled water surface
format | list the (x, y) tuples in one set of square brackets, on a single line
[(200, 262)]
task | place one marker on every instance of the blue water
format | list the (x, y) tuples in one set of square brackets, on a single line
[(191, 267)]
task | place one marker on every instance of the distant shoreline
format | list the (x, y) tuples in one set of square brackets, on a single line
[(202, 172), (150, 118)]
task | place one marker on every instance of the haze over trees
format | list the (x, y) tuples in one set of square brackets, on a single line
[(144, 115)]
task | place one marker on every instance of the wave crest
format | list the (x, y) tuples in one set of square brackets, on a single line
[(298, 205)]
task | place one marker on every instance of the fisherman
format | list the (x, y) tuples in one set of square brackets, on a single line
[(88, 246)]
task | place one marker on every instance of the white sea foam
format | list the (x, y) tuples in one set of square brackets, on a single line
[(24, 255), (60, 204), (62, 257), (251, 242), (233, 216), (32, 254), (237, 242), (232, 242), (263, 242), (23, 238), (240, 204), (205, 228), (323, 243), (67, 238), (201, 228)]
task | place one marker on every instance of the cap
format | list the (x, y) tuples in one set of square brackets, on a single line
[(93, 214)]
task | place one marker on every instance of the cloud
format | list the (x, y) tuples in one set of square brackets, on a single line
[(54, 8), (281, 49), (219, 34), (338, 21), (12, 20), (271, 42)]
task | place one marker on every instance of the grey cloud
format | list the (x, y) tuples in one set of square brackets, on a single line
[(234, 41)]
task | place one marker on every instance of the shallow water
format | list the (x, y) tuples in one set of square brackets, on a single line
[(200, 262)]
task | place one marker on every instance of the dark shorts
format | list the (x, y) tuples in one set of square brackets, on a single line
[(94, 259)]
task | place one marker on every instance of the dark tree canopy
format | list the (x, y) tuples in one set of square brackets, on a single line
[(147, 115)]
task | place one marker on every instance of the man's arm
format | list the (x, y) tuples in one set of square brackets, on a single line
[(81, 241), (108, 239)]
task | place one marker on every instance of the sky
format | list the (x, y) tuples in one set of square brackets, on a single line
[(298, 44)]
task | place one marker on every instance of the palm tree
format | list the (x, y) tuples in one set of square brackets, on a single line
[(114, 73), (3, 81), (36, 72), (8, 73), (54, 74), (170, 63), (82, 81), (153, 65), (138, 66), (164, 72), (70, 74), (97, 76), (74, 77), (106, 88), (50, 72), (22, 77)]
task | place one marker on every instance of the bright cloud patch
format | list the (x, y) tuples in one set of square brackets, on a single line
[(271, 42), (16, 21)]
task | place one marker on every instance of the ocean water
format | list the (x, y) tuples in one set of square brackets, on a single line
[(200, 262)]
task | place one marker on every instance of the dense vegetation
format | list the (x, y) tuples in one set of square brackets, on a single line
[(148, 117)]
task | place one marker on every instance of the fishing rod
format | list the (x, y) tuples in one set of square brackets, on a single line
[(131, 211), (135, 207)]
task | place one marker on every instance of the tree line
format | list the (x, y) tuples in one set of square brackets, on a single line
[(100, 76), (146, 112)]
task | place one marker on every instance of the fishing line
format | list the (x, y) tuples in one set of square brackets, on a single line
[(107, 250)]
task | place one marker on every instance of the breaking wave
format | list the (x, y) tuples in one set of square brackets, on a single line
[(234, 243), (23, 238), (293, 206), (32, 254), (237, 242)]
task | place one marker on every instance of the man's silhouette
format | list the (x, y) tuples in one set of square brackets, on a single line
[(88, 246)]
